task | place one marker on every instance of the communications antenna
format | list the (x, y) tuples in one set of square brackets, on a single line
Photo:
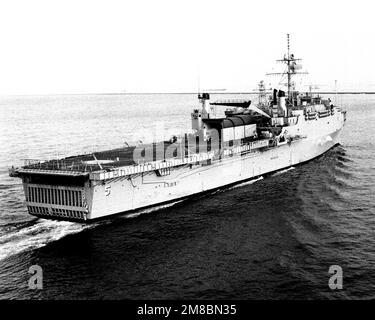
[(292, 67)]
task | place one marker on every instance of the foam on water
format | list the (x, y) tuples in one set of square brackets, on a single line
[(151, 209), (245, 183), (43, 232), (283, 171), (36, 236)]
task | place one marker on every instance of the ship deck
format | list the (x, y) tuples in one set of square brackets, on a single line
[(114, 158), (119, 157), (102, 160)]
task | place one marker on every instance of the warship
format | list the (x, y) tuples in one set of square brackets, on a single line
[(284, 129)]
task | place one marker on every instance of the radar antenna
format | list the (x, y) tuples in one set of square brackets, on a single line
[(291, 71)]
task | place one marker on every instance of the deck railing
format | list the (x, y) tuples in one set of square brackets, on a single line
[(63, 165)]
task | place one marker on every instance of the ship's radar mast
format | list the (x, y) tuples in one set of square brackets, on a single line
[(292, 67)]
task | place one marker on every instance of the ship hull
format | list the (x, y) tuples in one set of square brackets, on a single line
[(101, 197), (145, 190)]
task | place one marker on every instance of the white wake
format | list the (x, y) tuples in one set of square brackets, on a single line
[(36, 236), (283, 171), (245, 183)]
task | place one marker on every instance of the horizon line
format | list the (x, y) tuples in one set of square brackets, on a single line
[(150, 93)]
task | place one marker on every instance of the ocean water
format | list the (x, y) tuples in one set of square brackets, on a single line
[(269, 239)]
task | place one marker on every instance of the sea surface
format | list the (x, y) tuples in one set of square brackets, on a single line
[(274, 238)]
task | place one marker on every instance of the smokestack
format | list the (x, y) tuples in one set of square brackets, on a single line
[(281, 93)]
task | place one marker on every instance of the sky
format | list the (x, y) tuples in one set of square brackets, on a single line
[(62, 47)]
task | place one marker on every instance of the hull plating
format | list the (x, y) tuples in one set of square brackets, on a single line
[(147, 189)]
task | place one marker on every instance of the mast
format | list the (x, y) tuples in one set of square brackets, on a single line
[(292, 66), (289, 71)]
